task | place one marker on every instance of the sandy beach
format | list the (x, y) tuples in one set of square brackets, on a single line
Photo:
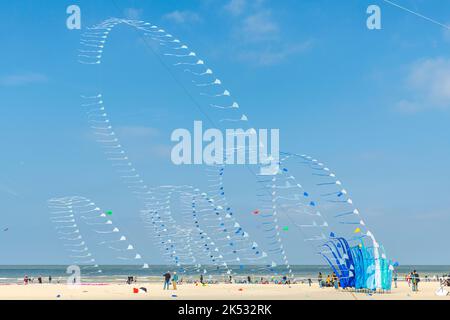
[(208, 292)]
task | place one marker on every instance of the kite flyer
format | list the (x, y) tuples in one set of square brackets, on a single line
[(174, 280), (415, 279), (167, 277)]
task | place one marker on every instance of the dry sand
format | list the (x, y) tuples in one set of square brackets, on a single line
[(208, 292)]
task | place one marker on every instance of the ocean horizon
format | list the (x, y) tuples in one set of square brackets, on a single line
[(119, 273)]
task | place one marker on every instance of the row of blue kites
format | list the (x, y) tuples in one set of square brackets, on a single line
[(359, 266)]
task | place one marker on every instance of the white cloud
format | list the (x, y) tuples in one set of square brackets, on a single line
[(133, 13), (254, 21), (239, 7), (236, 7), (182, 17), (257, 35), (22, 79), (429, 83), (260, 26)]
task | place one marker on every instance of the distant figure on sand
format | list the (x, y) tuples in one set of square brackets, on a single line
[(415, 279), (25, 280), (49, 279), (174, 281), (395, 278), (249, 279), (167, 277), (320, 278), (40, 279), (201, 279), (309, 282)]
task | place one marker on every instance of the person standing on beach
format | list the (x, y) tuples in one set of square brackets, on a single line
[(335, 281), (49, 279), (408, 279), (415, 281), (167, 277), (174, 281), (328, 283), (201, 279), (412, 281), (395, 278), (320, 278)]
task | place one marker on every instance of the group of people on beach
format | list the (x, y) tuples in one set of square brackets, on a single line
[(174, 279), (330, 281), (27, 280), (413, 280), (168, 278)]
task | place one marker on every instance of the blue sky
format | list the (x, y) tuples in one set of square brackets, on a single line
[(373, 105)]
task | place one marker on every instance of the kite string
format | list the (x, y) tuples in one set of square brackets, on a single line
[(417, 14)]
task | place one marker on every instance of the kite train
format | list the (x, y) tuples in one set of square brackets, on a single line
[(199, 230)]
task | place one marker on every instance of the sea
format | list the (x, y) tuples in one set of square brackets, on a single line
[(10, 274)]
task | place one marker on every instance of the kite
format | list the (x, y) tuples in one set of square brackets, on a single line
[(207, 231), (100, 228)]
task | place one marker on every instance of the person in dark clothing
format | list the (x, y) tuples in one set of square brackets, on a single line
[(395, 278), (201, 279), (415, 279), (167, 277)]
